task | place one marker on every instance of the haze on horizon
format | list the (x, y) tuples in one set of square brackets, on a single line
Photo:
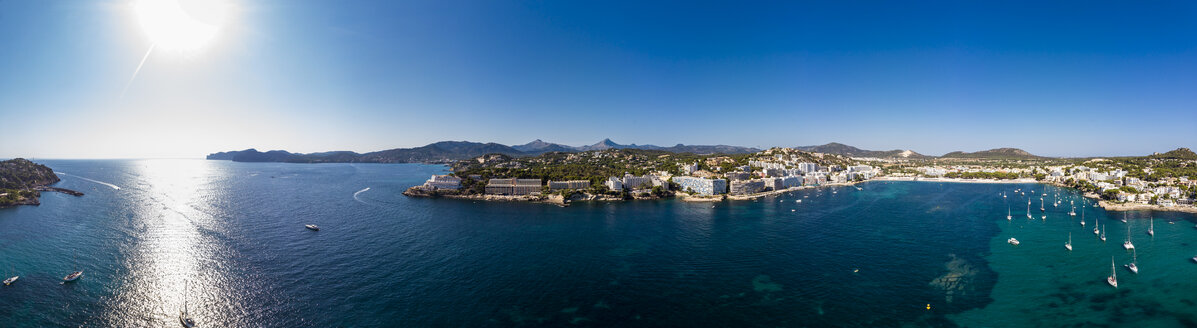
[(156, 78)]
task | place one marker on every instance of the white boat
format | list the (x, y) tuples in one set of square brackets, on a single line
[(312, 227), (1029, 209), (1195, 259), (1082, 218), (1012, 241), (1127, 244), (1103, 233), (1113, 278), (1095, 225), (1008, 216), (1041, 204), (1151, 230), (74, 275), (184, 315), (1133, 267), (12, 279), (1068, 245)]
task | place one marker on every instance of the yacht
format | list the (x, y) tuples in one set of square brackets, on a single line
[(74, 275), (1132, 266), (1041, 204), (1127, 244), (1095, 225), (1082, 218), (12, 279), (1029, 209), (312, 227), (1012, 241), (184, 315), (1008, 216), (1113, 278), (1068, 245), (1151, 230), (1103, 233)]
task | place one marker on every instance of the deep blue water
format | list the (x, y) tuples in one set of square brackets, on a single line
[(229, 238)]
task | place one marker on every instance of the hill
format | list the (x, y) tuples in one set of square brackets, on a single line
[(846, 150), (18, 179), (1179, 153), (439, 152), (998, 153)]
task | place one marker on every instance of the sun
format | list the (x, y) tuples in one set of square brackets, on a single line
[(180, 25)]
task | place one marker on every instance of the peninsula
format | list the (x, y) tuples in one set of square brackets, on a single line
[(1155, 182), (22, 181)]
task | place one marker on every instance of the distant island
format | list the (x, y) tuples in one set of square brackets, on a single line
[(445, 152), (22, 181)]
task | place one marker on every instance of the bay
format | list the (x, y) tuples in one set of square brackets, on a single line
[(229, 238)]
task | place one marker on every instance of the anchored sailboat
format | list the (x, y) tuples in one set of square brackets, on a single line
[(1068, 245), (1113, 278), (1151, 230), (1133, 266), (1127, 244)]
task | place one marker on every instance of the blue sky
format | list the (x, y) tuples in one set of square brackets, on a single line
[(1063, 78)]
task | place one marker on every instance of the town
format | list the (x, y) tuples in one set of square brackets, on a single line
[(1160, 181)]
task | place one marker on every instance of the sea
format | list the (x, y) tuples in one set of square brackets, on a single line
[(226, 241)]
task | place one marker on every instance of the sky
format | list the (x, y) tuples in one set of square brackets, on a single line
[(1072, 78)]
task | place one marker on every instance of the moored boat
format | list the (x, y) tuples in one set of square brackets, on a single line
[(312, 227)]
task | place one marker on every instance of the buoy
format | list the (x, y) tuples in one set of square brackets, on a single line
[(928, 306)]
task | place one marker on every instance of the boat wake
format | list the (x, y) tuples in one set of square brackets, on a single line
[(99, 182), (359, 192)]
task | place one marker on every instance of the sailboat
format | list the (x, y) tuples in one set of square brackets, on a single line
[(1103, 233), (1123, 217), (1095, 225), (1029, 209), (1082, 217), (1127, 244), (1008, 216), (1151, 230), (1133, 266), (74, 275), (185, 316), (1113, 278), (1069, 244), (12, 279), (1041, 204)]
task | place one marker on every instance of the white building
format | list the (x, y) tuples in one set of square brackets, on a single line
[(614, 184), (443, 182), (701, 186)]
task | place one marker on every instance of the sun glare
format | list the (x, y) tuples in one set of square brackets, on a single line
[(180, 25)]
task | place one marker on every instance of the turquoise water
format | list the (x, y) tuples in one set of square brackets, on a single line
[(229, 238)]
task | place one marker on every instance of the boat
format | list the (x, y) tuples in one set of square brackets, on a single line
[(1012, 241), (1113, 278), (1068, 245), (1195, 259), (1095, 225), (312, 227), (1082, 217), (1133, 267), (1127, 244), (1123, 217), (184, 315), (1103, 233), (1008, 216), (12, 279), (1029, 209), (1041, 204), (74, 275), (1151, 230)]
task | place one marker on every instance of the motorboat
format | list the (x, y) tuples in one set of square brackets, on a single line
[(312, 227), (1012, 241)]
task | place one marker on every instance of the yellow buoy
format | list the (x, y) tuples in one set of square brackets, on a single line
[(928, 306)]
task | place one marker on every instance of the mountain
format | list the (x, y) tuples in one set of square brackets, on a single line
[(603, 145), (539, 147), (1179, 153), (450, 151), (999, 153), (440, 152), (846, 150), (679, 148)]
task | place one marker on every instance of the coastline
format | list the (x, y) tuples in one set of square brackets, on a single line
[(955, 180)]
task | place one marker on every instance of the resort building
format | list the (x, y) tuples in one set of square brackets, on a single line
[(689, 169), (808, 167), (744, 187), (569, 184), (701, 186), (636, 182), (733, 176), (614, 184), (513, 186), (443, 182)]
